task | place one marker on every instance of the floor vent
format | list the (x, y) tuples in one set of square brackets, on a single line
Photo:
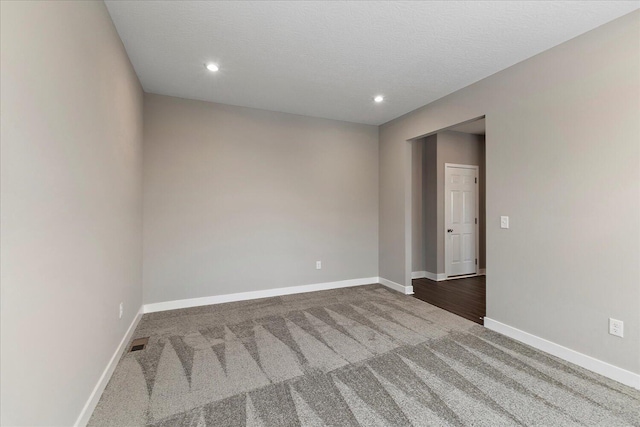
[(139, 344)]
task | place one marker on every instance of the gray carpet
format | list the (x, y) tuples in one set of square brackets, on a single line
[(363, 356)]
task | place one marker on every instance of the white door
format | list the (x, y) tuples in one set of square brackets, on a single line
[(461, 219)]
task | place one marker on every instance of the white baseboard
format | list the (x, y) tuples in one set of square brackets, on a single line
[(438, 277), (407, 290), (243, 296), (442, 276), (418, 274), (86, 412), (429, 275), (598, 366)]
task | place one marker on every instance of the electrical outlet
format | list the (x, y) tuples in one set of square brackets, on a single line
[(121, 310), (616, 327), (504, 222), (318, 265)]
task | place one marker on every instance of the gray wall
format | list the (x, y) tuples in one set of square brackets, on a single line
[(424, 204), (562, 158), (429, 209), (238, 199), (419, 227), (71, 174)]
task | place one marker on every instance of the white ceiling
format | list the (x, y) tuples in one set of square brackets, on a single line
[(328, 59)]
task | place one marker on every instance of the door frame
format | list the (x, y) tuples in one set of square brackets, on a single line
[(477, 214)]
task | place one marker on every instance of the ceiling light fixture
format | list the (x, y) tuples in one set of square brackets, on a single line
[(379, 98), (212, 67)]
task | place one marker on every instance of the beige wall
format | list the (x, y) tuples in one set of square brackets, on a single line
[(562, 157), (71, 205), (238, 199)]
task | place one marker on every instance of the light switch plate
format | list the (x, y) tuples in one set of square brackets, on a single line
[(504, 222)]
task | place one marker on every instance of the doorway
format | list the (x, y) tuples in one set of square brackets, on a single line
[(448, 219)]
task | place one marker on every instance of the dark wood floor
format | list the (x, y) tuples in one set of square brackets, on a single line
[(464, 297)]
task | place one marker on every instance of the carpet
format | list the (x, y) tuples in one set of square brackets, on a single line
[(361, 356)]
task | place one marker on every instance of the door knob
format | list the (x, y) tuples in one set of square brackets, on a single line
[(450, 230)]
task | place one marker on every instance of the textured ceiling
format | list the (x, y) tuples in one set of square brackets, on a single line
[(328, 59)]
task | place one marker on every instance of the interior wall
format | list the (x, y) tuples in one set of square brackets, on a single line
[(464, 149), (71, 192), (424, 215), (570, 259), (430, 205), (419, 258), (238, 199)]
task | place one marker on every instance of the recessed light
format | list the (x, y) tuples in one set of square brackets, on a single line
[(379, 98), (212, 67)]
